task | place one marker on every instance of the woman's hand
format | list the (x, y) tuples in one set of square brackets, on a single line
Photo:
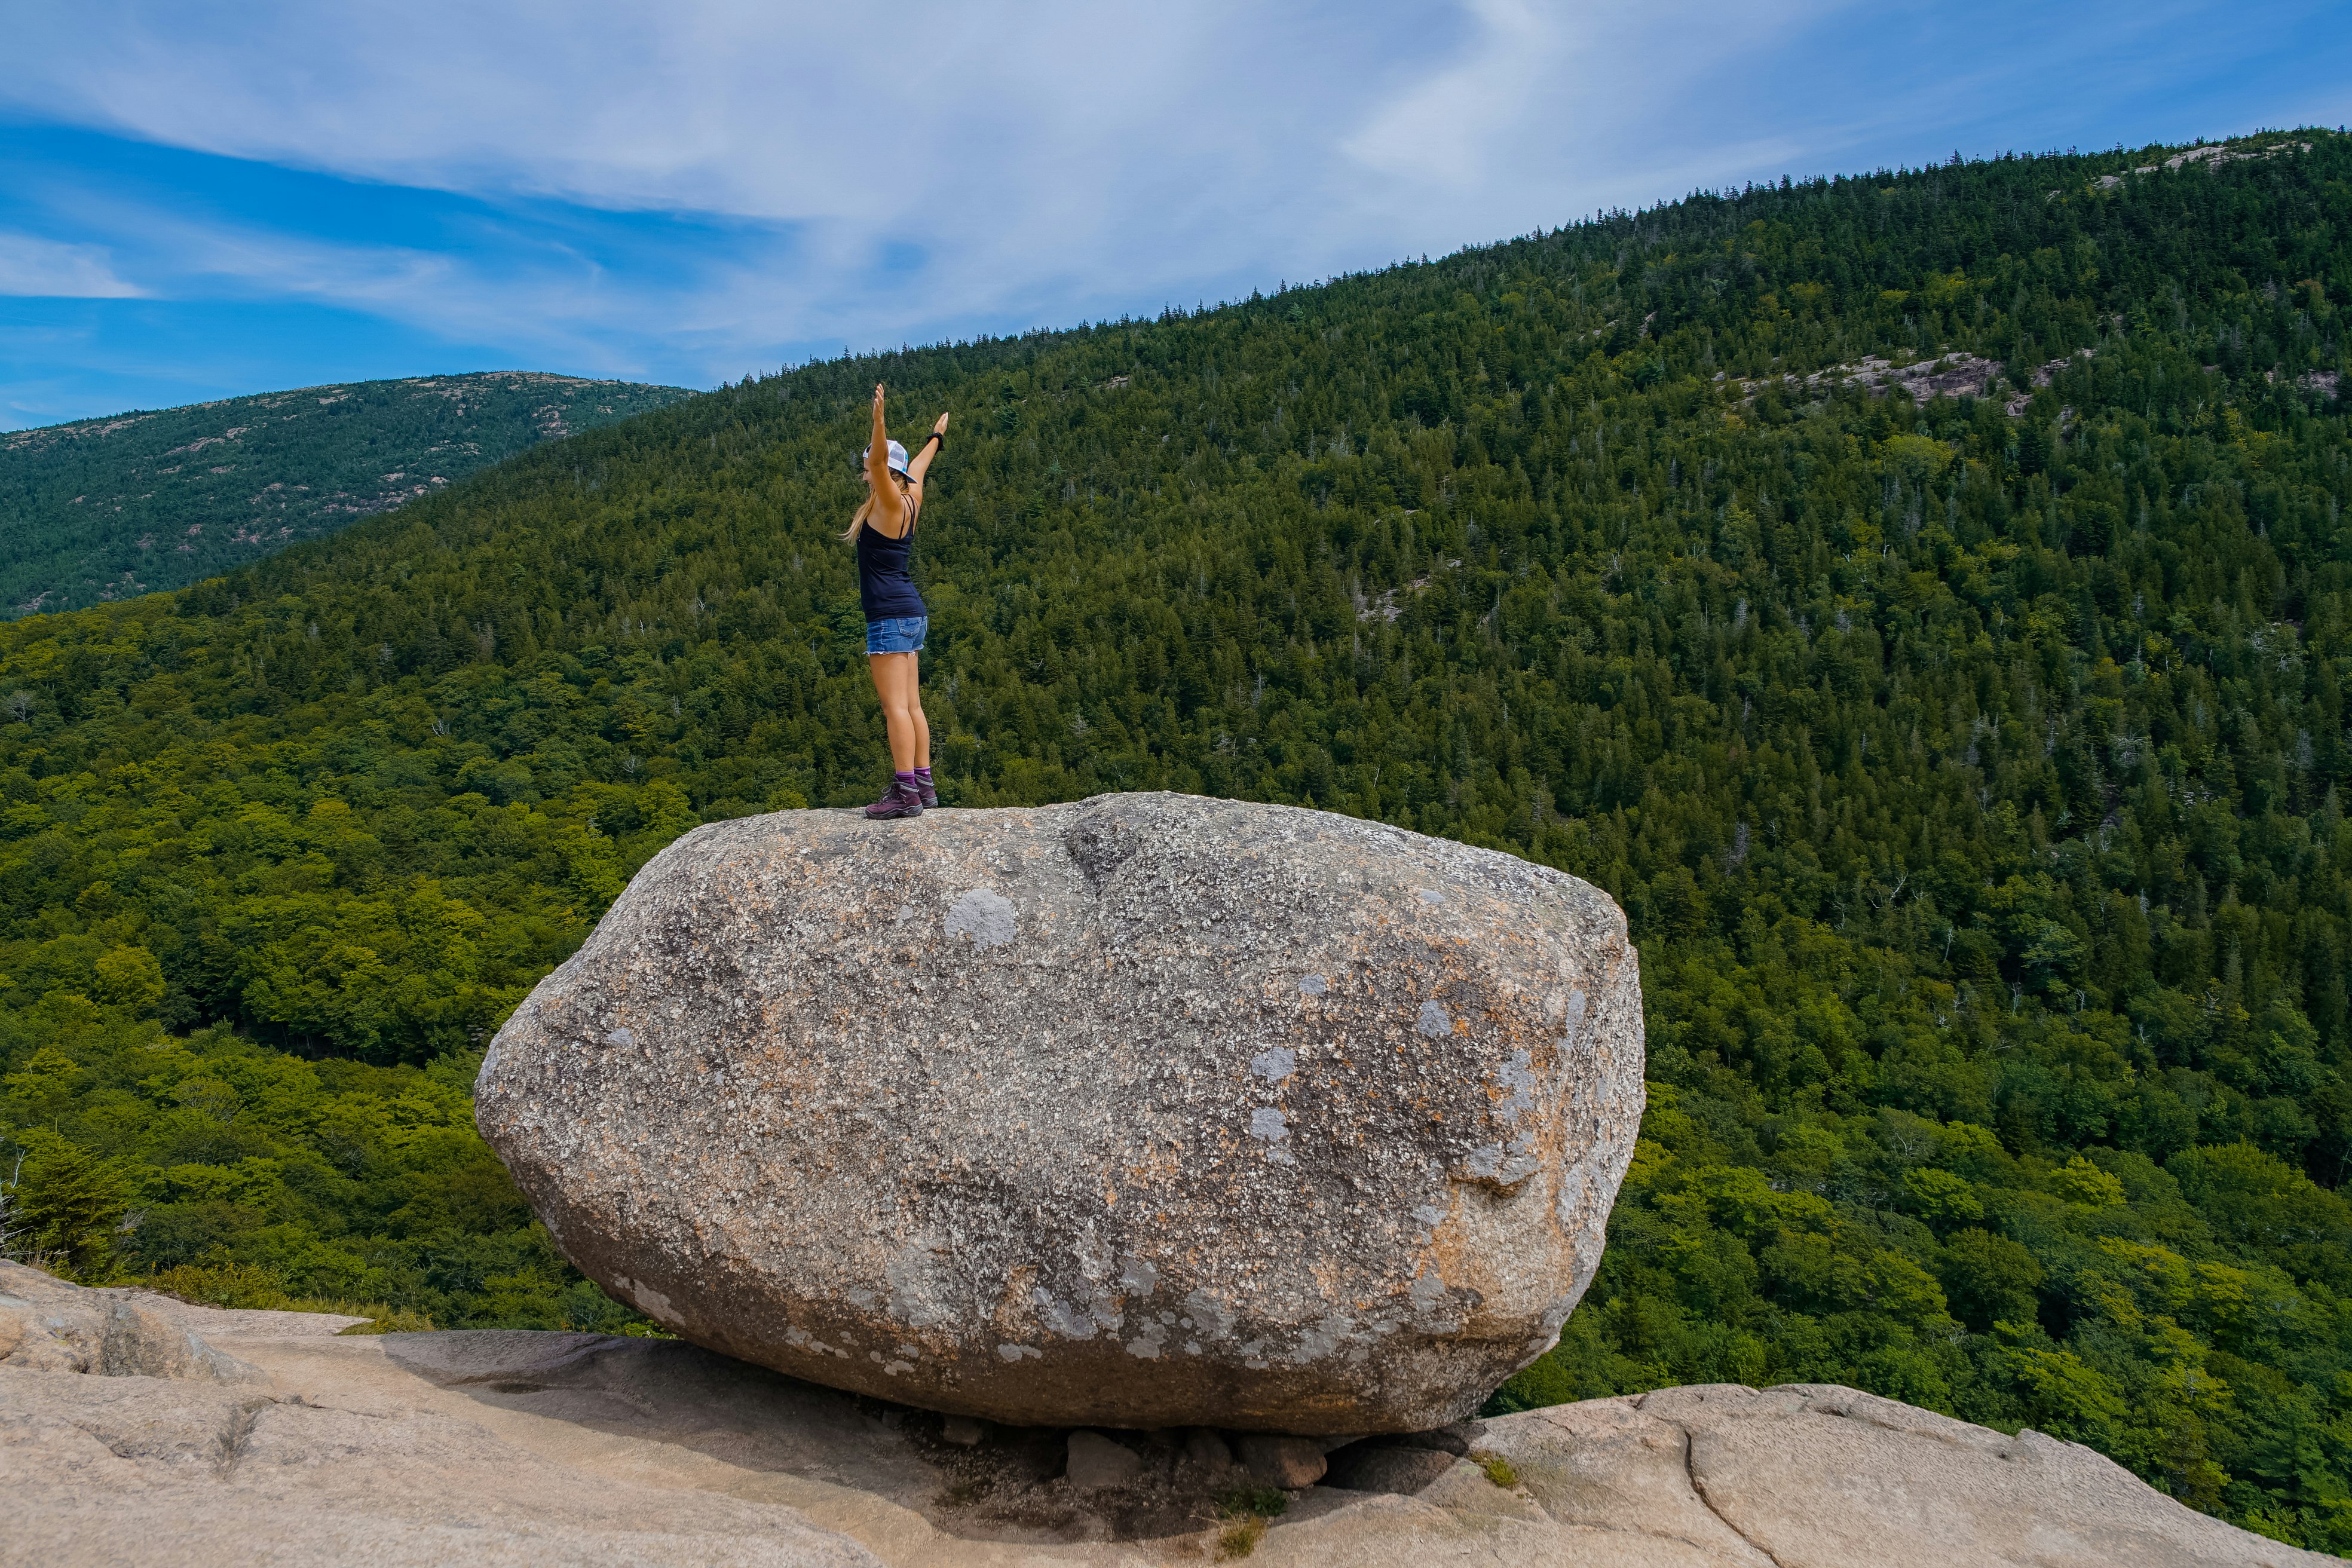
[(885, 503), (922, 463)]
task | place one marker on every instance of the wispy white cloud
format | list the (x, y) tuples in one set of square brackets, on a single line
[(1022, 151), (1548, 112), (36, 267), (1439, 130), (829, 179)]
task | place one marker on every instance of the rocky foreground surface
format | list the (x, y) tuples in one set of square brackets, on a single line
[(137, 1430), (1146, 1110)]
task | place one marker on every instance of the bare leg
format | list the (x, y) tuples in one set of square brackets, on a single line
[(894, 683), (915, 711)]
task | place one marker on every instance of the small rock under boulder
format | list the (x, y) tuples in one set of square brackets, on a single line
[(1370, 1467), (1280, 1461), (1097, 1462), (1207, 1449), (1144, 1112)]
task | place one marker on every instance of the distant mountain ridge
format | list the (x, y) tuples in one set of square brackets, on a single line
[(111, 508)]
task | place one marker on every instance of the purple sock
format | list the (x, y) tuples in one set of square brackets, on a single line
[(905, 782), (924, 774)]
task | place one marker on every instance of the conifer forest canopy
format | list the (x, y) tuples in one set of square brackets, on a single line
[(110, 509), (1970, 763)]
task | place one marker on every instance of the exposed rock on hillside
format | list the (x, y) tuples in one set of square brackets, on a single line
[(1146, 1111), (512, 1448), (1946, 375), (2211, 156)]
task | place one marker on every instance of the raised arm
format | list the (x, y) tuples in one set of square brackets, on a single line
[(921, 463), (889, 511)]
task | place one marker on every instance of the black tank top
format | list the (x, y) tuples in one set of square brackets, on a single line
[(885, 584)]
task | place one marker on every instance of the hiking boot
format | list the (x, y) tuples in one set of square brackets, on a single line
[(896, 801), (929, 793)]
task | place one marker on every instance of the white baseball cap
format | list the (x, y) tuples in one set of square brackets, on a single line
[(898, 457)]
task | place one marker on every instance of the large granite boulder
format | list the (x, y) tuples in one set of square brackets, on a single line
[(1139, 1112)]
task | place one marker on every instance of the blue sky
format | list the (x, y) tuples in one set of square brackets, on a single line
[(199, 199)]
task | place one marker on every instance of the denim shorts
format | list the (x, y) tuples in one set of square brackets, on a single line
[(904, 635)]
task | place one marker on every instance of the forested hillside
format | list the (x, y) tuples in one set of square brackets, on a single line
[(110, 509), (1971, 768)]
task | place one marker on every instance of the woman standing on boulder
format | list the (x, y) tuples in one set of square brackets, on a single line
[(884, 533)]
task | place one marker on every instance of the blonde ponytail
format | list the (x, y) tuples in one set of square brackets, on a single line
[(850, 535)]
